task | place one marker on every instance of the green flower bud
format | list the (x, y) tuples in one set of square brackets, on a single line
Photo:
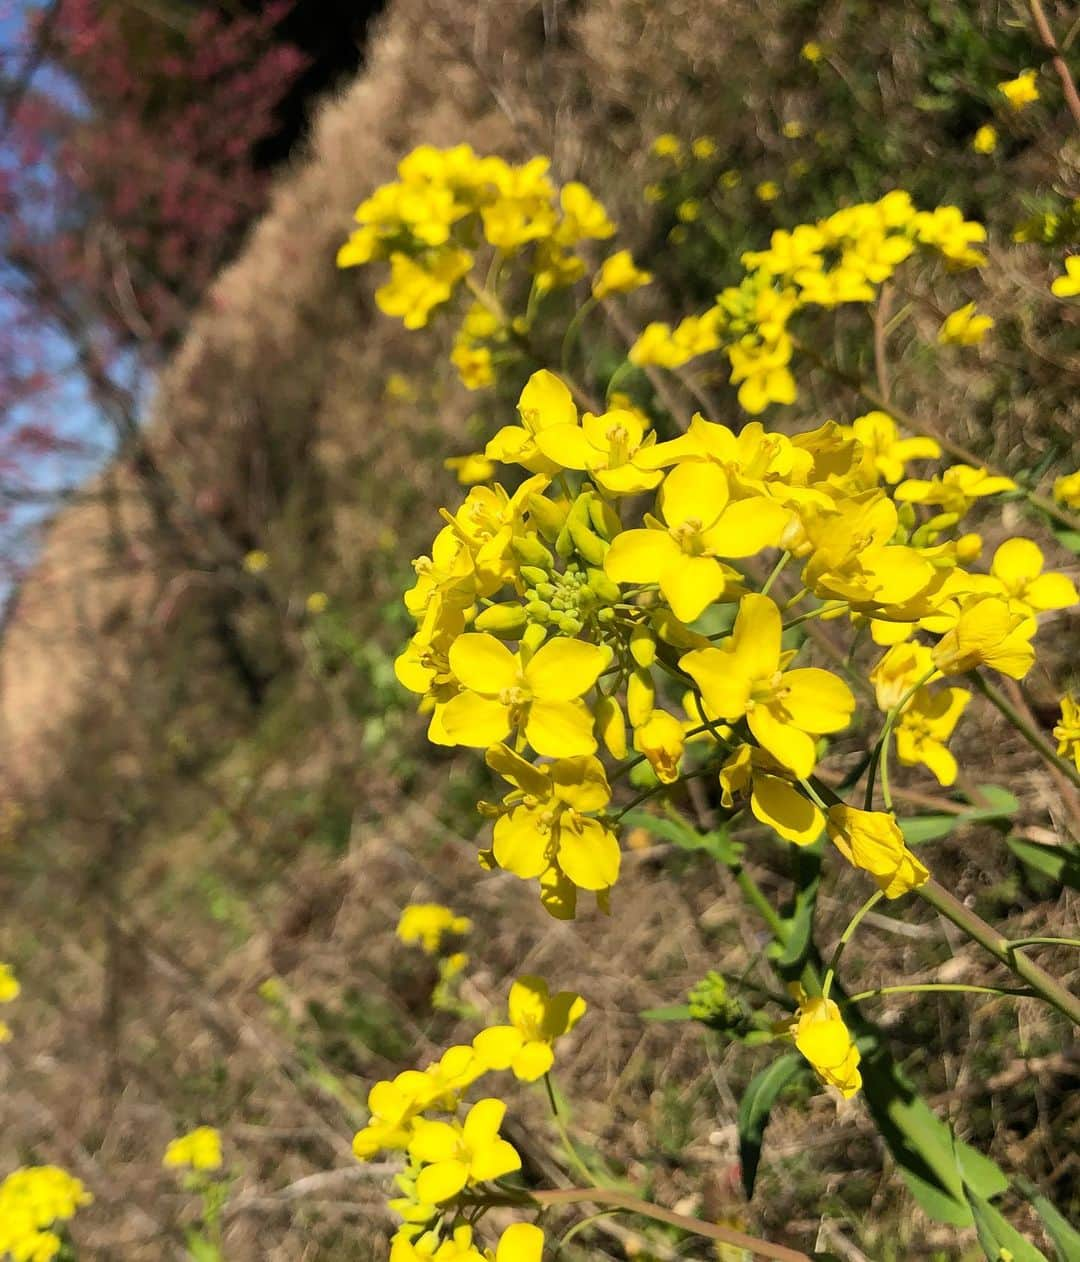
[(603, 588), (711, 1004), (538, 610), (604, 518), (529, 549), (534, 574), (548, 516)]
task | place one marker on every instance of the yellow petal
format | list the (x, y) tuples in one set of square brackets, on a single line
[(563, 669), (533, 1061), (694, 493), (747, 526), (790, 746), (483, 1121), (494, 1161), (560, 729), (519, 845), (497, 1046), (520, 1242), (1017, 562), (784, 809), (691, 584), (588, 854), (546, 401), (468, 719), (483, 663), (726, 692), (817, 700), (568, 447), (640, 556), (755, 639), (441, 1181), (434, 1141)]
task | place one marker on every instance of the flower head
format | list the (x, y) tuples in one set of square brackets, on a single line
[(537, 1019), (1021, 91), (963, 327), (819, 1032), (428, 923), (199, 1149), (872, 840), (455, 1156)]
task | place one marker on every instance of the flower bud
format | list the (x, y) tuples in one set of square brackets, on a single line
[(549, 516), (642, 645), (640, 697), (528, 548), (507, 620), (611, 726)]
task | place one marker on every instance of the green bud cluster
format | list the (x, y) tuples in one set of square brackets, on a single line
[(710, 1003)]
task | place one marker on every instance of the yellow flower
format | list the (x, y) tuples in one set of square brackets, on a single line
[(456, 1156), (584, 218), (545, 401), (820, 1034), (785, 711), (611, 448), (257, 561), (653, 193), (1067, 489), (543, 829), (317, 602), (667, 146), (431, 1246), (200, 1149), (963, 327), (475, 365), (1017, 565), (793, 129), (414, 289), (898, 671), (926, 723), (1068, 286), (661, 738), (730, 179), (428, 923), (32, 1200), (1067, 732), (767, 191), (537, 1019), (883, 448), (671, 348), (701, 523), (985, 139), (618, 275), (988, 632), (1021, 91), (774, 800), (763, 371), (955, 490), (9, 984), (689, 210), (520, 1242), (703, 147), (537, 696), (811, 51), (475, 467), (872, 841), (400, 387)]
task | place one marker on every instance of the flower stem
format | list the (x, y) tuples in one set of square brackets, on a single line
[(845, 938), (1040, 981), (1035, 739), (925, 987)]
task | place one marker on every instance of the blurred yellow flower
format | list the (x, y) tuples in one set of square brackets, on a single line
[(963, 327), (1067, 731), (689, 210), (985, 139), (667, 146), (703, 147), (767, 191), (653, 193), (199, 1149), (619, 275), (819, 1032), (811, 51), (475, 467), (1067, 490), (426, 924), (872, 841), (257, 561), (793, 129), (1068, 286), (1021, 91), (730, 179)]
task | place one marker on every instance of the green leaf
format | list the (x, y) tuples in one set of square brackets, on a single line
[(1060, 863), (1069, 539), (934, 1163), (927, 828), (997, 1236), (1065, 1237), (1000, 803), (670, 1012), (756, 1106), (716, 843), (800, 922)]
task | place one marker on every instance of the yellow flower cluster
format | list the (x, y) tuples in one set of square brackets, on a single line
[(842, 259), (431, 220), (33, 1199), (446, 1158), (199, 1149)]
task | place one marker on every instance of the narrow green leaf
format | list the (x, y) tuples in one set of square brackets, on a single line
[(717, 843), (922, 828), (755, 1108), (1069, 539), (997, 1236), (1060, 863), (670, 1012), (1065, 1237)]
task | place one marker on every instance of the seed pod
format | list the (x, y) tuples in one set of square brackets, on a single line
[(507, 621), (640, 697)]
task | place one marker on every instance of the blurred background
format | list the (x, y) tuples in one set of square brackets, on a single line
[(216, 462)]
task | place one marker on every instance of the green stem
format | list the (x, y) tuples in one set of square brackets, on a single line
[(845, 938), (571, 1152), (1040, 941), (1040, 981), (830, 607), (572, 330), (881, 750), (778, 569), (925, 987), (1035, 739)]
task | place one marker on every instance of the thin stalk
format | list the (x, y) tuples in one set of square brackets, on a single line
[(880, 761), (1040, 981), (778, 569), (927, 987), (1035, 739), (820, 612), (571, 1152), (572, 331), (695, 1226), (1041, 941), (1068, 86), (845, 938)]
